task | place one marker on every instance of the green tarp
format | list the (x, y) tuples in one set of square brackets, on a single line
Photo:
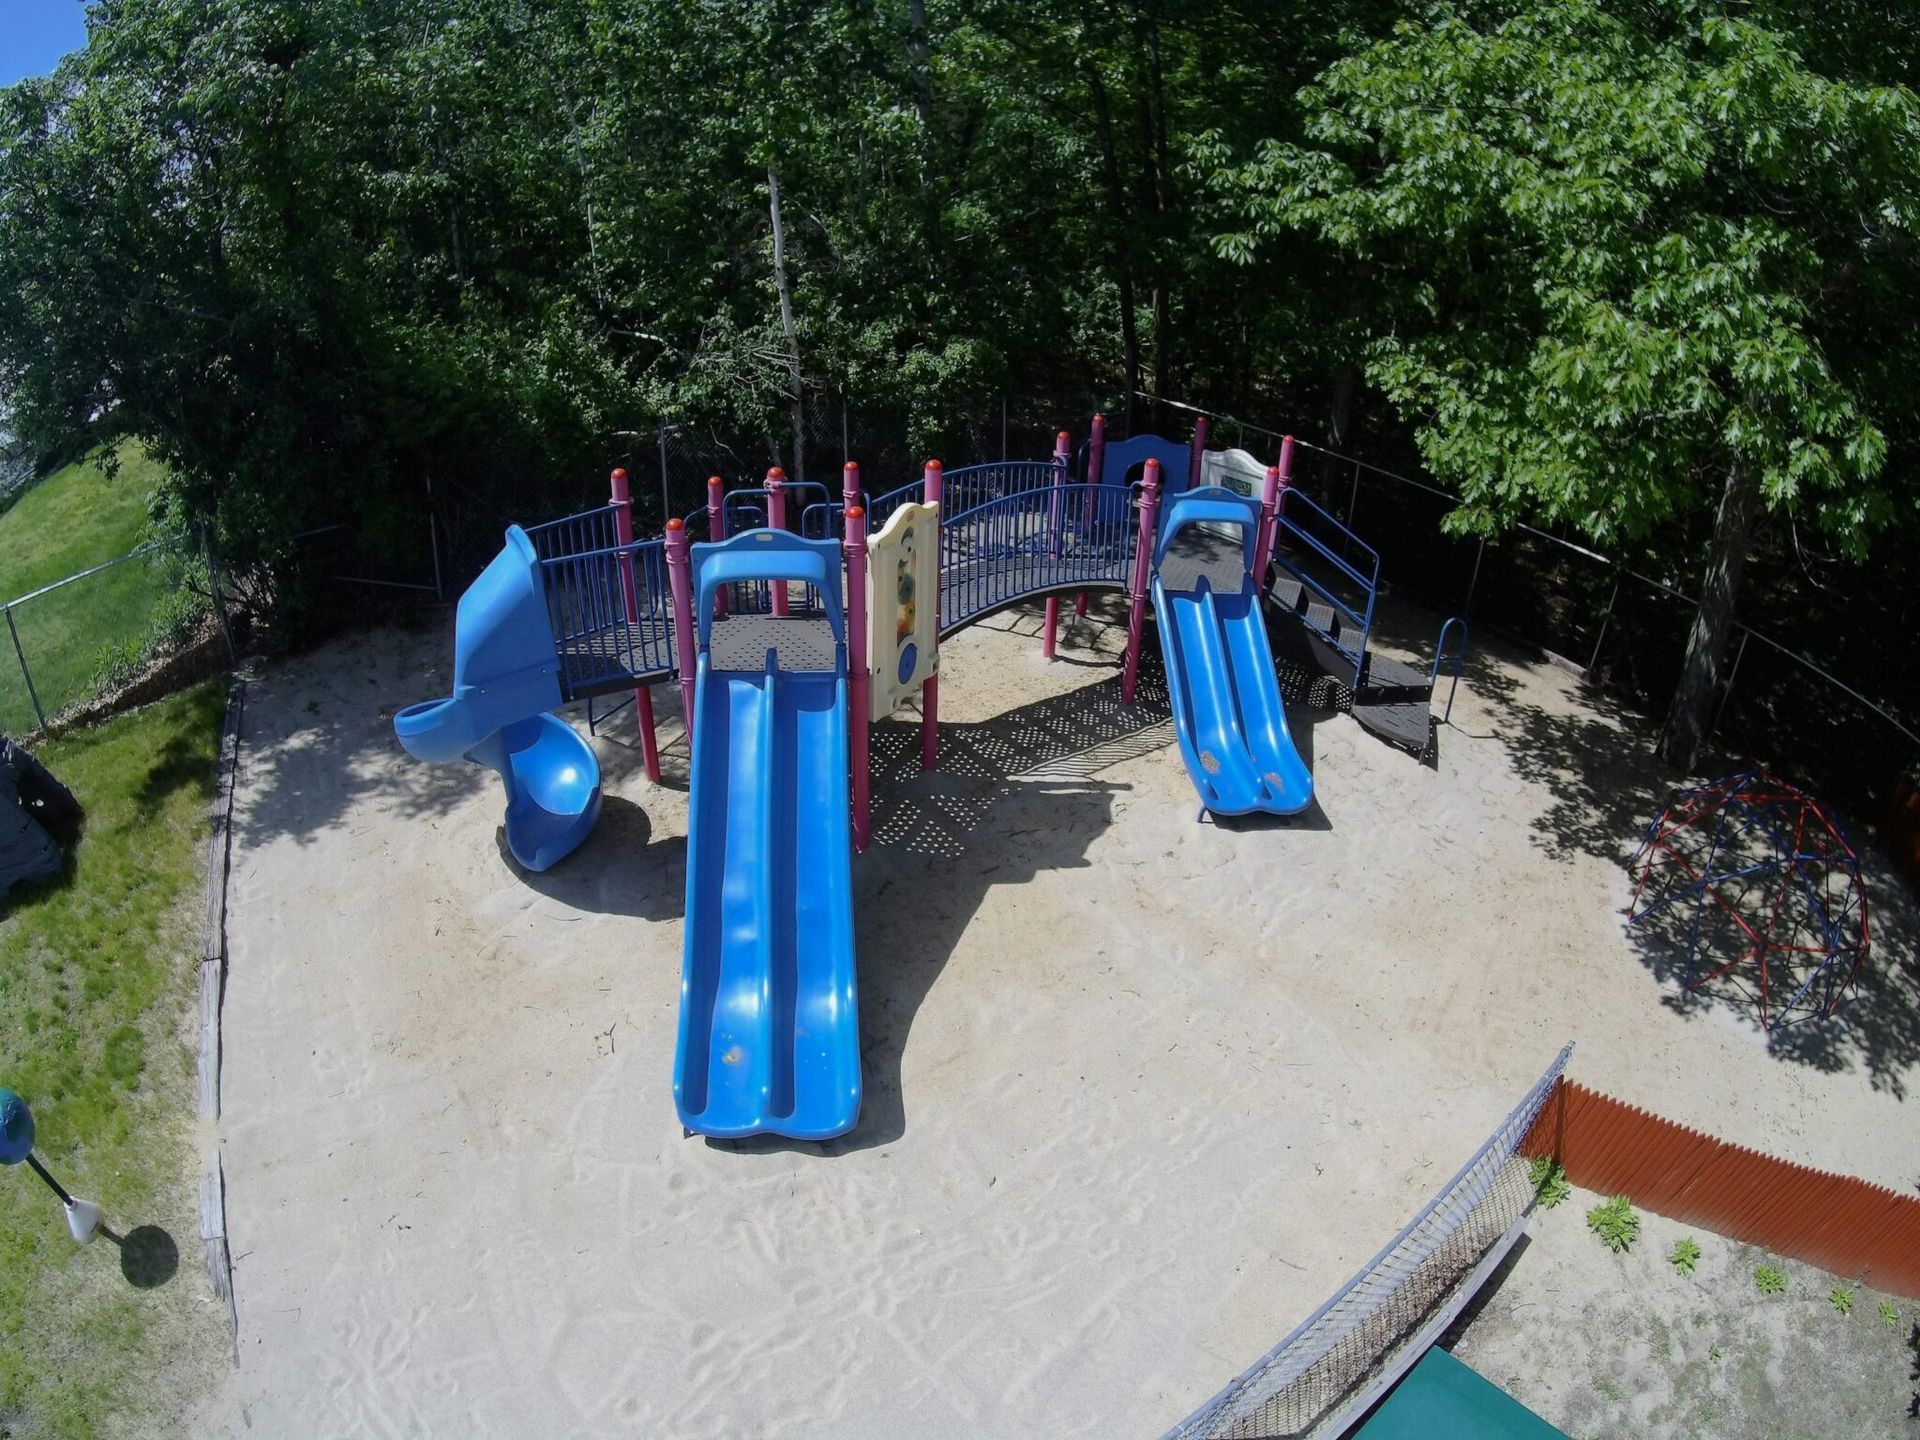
[(1444, 1399)]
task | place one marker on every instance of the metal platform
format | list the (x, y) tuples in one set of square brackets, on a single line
[(612, 657), (1405, 723), (1197, 553), (798, 642)]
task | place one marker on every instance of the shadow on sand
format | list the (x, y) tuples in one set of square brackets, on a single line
[(1605, 781), (620, 869)]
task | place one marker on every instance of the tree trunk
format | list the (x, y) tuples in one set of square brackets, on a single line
[(1118, 227), (1159, 190), (1713, 622), (786, 321), (918, 58)]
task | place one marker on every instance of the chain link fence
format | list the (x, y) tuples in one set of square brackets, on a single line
[(148, 619)]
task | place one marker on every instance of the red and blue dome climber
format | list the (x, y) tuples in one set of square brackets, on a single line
[(1758, 886)]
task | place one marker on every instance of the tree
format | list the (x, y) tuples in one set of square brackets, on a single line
[(1634, 263), (320, 254)]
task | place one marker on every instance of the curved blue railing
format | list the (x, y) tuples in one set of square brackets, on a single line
[(606, 639), (1010, 530), (575, 534), (1032, 541)]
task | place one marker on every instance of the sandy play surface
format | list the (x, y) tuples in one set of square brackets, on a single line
[(1140, 1091)]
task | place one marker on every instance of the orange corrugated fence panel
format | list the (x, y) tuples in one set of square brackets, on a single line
[(1837, 1222)]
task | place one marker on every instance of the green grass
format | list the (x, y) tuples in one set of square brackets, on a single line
[(73, 519), (97, 985)]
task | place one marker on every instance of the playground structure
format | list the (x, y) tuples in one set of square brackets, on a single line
[(790, 629), (1752, 880)]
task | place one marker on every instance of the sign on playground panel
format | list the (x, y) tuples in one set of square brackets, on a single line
[(903, 635), (1233, 470)]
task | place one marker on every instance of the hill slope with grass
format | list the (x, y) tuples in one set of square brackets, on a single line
[(94, 629)]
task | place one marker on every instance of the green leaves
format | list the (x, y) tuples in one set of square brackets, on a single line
[(1616, 1223), (1623, 252)]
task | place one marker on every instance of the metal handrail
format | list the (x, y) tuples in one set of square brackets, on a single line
[(1440, 655)]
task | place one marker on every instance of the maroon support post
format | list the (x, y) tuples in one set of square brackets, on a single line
[(621, 499), (1062, 452), (1195, 450), (717, 529), (1142, 570), (777, 519), (932, 480), (1272, 497), (680, 579), (857, 680)]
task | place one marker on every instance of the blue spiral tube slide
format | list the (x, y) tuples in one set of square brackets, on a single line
[(506, 680)]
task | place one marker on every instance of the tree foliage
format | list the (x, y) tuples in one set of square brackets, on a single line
[(1615, 266), (317, 253), (1621, 250), (1632, 262)]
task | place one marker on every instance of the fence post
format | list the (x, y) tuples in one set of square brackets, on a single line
[(717, 530), (1196, 448), (25, 674), (1605, 619), (856, 619), (1353, 495), (1142, 568), (433, 548), (1273, 496), (1062, 453), (932, 483), (220, 599), (776, 486), (1725, 695), (666, 502), (1466, 606), (620, 497), (680, 581), (1096, 464)]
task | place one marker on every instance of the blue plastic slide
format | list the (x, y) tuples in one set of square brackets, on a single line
[(1227, 710), (769, 1020), (506, 677)]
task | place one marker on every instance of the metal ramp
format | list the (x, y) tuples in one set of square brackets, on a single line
[(1327, 580)]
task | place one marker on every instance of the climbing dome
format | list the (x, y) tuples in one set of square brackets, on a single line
[(1753, 882)]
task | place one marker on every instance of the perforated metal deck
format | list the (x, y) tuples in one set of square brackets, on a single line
[(616, 656), (799, 642), (1198, 553)]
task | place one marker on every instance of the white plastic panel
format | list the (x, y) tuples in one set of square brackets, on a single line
[(1235, 469), (903, 635)]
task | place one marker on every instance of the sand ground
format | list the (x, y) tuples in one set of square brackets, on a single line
[(1140, 1090), (1642, 1352)]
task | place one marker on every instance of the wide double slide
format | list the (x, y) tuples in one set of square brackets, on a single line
[(1227, 710), (769, 1024)]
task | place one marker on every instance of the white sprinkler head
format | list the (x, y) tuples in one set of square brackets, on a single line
[(83, 1220)]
